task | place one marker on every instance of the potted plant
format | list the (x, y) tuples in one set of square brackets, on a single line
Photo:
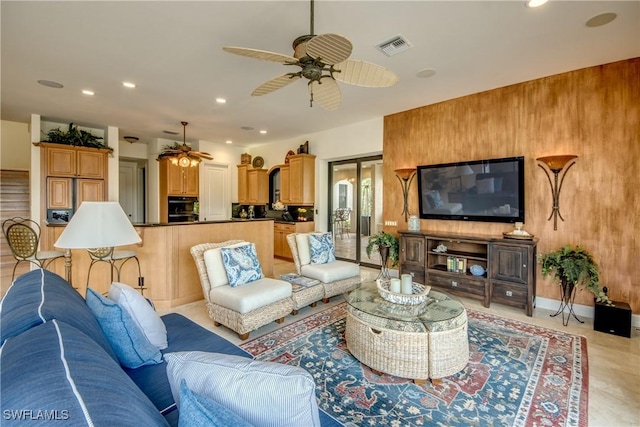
[(573, 267), (387, 245), (75, 137)]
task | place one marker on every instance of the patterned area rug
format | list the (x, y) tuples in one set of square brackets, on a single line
[(518, 375)]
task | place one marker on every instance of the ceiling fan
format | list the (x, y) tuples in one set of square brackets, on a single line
[(322, 60), (183, 155)]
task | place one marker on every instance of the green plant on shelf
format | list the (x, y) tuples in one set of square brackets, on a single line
[(75, 137)]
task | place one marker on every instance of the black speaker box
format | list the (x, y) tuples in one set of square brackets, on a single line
[(614, 319)]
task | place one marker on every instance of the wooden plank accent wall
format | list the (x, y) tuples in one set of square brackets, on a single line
[(593, 113)]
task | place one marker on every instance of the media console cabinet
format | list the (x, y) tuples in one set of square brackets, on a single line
[(509, 266)]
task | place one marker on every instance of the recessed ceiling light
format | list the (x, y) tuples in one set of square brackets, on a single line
[(221, 100), (427, 72), (535, 3), (88, 92), (600, 20), (129, 85), (263, 131), (49, 83), (246, 128), (228, 141)]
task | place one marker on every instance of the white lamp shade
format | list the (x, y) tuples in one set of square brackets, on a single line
[(98, 225)]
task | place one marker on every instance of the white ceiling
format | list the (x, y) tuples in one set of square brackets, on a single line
[(172, 50)]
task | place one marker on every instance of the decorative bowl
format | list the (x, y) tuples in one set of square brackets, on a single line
[(476, 270), (419, 295)]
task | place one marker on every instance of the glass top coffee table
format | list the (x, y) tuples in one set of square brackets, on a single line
[(423, 341)]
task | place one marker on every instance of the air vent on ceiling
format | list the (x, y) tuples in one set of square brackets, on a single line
[(395, 45)]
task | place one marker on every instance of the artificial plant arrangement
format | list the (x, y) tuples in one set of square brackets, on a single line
[(75, 137), (573, 267), (384, 240)]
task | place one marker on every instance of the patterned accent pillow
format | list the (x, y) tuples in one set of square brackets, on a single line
[(241, 264), (321, 248)]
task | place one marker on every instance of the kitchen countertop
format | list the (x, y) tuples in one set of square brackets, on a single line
[(165, 224)]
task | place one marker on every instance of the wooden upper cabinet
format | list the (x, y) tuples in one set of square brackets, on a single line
[(60, 191), (258, 186), (71, 161), (302, 170), (90, 190), (253, 185), (242, 183), (91, 164), (285, 178), (178, 181), (61, 162)]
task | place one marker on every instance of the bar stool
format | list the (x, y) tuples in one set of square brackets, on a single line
[(23, 237), (112, 257)]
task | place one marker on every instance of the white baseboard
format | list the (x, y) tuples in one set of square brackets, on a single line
[(579, 309)]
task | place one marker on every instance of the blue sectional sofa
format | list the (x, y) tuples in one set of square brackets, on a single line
[(56, 363)]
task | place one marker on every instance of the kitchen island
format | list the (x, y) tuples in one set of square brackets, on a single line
[(170, 275)]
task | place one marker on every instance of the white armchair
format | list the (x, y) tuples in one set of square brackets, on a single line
[(337, 277), (241, 308)]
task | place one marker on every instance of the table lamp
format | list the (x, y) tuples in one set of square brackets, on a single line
[(96, 225)]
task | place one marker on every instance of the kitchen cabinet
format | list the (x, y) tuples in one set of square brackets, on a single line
[(178, 181), (71, 175), (302, 170), (75, 161), (281, 230), (60, 193), (297, 180), (253, 185), (89, 190)]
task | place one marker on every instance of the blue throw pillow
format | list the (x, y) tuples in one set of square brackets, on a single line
[(197, 410), (39, 296), (241, 264), (321, 248), (58, 373), (127, 339)]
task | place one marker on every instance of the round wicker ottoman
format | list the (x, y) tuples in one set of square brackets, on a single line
[(424, 341)]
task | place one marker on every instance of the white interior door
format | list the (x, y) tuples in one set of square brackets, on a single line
[(215, 198), (128, 189)]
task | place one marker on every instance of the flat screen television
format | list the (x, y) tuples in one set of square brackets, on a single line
[(479, 190)]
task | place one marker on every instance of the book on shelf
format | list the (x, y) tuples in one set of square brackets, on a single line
[(296, 279), (456, 264)]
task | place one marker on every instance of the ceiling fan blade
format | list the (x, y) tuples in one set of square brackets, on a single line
[(361, 73), (329, 48), (326, 93), (273, 84), (202, 154), (261, 54)]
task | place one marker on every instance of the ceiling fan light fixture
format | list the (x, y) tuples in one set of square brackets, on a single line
[(184, 161), (182, 155)]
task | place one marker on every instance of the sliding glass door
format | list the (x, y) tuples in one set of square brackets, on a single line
[(355, 206)]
